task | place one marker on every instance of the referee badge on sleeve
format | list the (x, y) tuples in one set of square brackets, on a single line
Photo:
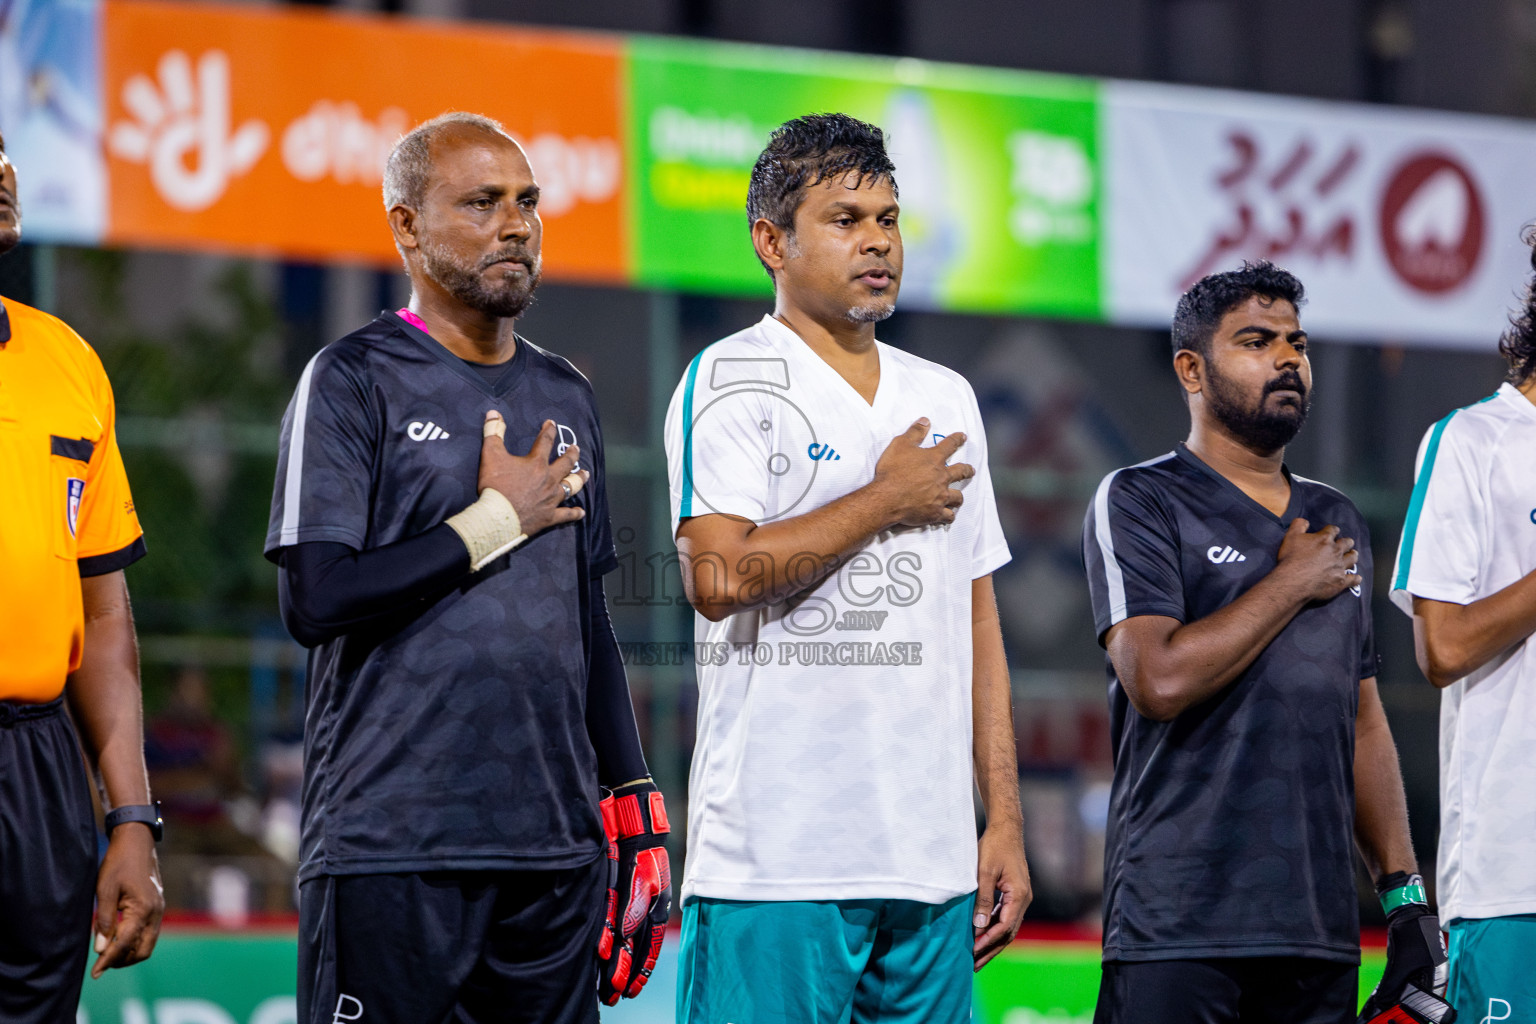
[(74, 490)]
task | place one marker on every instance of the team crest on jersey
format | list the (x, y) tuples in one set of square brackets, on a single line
[(74, 490), (567, 438)]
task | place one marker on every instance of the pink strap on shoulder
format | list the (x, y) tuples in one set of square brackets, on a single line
[(412, 319)]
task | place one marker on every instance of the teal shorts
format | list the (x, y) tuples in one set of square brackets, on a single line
[(1491, 975), (825, 962)]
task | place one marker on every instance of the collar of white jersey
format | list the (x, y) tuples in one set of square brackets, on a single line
[(1517, 398), (781, 333), (784, 339)]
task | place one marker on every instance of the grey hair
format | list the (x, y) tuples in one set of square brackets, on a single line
[(410, 163)]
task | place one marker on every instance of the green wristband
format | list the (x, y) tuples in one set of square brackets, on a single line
[(1412, 892)]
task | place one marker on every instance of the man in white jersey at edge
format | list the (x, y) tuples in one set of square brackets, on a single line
[(1466, 572), (853, 691)]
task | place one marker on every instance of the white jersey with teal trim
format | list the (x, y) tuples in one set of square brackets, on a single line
[(833, 758), (1471, 532)]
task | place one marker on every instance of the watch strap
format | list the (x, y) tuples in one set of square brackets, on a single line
[(148, 814), (1407, 891)]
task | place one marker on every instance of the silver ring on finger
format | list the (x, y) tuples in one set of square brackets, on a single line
[(567, 489)]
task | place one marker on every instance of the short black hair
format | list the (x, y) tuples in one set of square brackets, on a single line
[(807, 151), (1518, 344), (1212, 297)]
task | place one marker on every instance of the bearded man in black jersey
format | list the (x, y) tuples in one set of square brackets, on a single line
[(1233, 599), (465, 698)]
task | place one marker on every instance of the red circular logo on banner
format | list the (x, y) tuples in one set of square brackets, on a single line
[(1432, 223)]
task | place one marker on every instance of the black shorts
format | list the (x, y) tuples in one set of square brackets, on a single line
[(1250, 990), (47, 865), (461, 946)]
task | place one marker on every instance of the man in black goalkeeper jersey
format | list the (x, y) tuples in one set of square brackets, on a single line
[(466, 698), (1233, 599)]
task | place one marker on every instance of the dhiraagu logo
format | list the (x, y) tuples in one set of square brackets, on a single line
[(181, 126)]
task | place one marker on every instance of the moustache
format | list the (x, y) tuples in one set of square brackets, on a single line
[(517, 254), (1286, 382)]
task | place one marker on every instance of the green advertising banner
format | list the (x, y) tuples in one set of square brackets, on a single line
[(1058, 983), (197, 977), (209, 977), (998, 170)]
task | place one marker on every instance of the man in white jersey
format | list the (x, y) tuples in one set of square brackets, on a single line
[(852, 685), (1466, 572)]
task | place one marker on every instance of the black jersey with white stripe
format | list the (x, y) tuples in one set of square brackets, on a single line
[(1231, 827), (450, 735)]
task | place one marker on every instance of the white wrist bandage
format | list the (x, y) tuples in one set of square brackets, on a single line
[(489, 528)]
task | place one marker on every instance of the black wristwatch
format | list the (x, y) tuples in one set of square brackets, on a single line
[(149, 814)]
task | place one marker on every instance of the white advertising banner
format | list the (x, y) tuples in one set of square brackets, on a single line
[(1404, 226)]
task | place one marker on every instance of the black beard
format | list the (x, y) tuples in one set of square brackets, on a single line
[(466, 284), (10, 237), (1258, 428)]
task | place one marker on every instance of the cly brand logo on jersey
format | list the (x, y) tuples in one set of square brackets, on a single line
[(74, 490), (428, 431), (822, 453), (1219, 554)]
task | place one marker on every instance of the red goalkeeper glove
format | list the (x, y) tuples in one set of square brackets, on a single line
[(1413, 988), (639, 890)]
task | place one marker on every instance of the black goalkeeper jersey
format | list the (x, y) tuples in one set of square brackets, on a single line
[(450, 736), (1231, 827)]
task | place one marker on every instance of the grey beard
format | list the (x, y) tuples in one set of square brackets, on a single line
[(470, 289), (871, 314)]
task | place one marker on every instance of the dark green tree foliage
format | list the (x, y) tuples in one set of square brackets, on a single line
[(198, 411)]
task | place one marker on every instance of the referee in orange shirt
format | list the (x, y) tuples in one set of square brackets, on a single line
[(65, 632)]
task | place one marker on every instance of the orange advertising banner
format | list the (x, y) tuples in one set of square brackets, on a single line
[(266, 131)]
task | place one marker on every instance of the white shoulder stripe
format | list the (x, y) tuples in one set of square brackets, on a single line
[(1318, 483), (295, 476), (1113, 577)]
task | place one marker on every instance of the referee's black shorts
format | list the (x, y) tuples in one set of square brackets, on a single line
[(461, 946), (1229, 990), (47, 865)]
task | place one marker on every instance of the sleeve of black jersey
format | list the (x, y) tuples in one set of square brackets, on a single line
[(325, 461), (326, 589), (1131, 553), (602, 558), (1366, 565), (610, 712)]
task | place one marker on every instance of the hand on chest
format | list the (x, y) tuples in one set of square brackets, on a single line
[(433, 452), (1223, 556), (824, 450)]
